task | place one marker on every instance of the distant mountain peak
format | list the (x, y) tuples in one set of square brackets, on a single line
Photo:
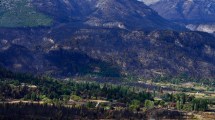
[(187, 10), (195, 14)]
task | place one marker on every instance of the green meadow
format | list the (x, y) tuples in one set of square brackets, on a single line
[(20, 13)]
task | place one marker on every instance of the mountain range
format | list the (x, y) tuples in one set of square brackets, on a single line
[(108, 38), (94, 13), (194, 14)]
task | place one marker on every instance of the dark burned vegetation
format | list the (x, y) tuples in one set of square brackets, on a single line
[(47, 112)]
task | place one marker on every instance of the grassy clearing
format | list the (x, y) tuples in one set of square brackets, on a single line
[(20, 13)]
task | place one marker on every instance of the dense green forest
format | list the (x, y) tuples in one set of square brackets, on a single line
[(49, 94)]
